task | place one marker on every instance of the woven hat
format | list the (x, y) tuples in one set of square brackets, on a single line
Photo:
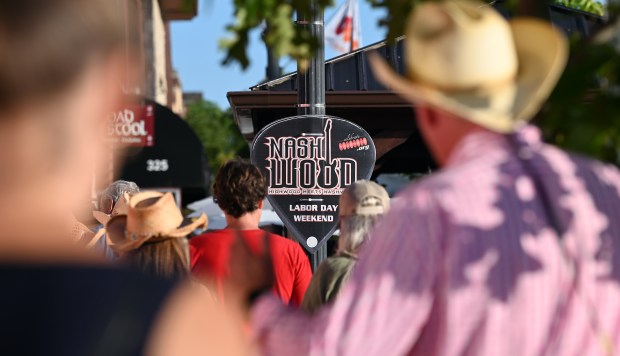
[(79, 231), (120, 208), (464, 57), (364, 197), (152, 217)]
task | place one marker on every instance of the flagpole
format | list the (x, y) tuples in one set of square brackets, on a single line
[(351, 37), (311, 85), (273, 69)]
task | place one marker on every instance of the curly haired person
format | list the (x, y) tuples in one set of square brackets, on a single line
[(240, 189)]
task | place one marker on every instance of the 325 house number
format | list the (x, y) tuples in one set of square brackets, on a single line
[(157, 165)]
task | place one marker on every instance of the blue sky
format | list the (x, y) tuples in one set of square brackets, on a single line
[(196, 56)]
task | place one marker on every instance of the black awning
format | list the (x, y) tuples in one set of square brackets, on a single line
[(176, 161)]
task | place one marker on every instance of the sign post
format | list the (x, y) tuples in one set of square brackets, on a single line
[(308, 161), (311, 85)]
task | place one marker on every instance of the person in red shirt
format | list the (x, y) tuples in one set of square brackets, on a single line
[(239, 190)]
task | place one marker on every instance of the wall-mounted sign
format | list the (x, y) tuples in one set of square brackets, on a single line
[(308, 161), (132, 126)]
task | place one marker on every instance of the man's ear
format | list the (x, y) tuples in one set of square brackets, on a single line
[(430, 116), (433, 118), (261, 204)]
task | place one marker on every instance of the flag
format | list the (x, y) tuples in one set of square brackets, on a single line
[(343, 32)]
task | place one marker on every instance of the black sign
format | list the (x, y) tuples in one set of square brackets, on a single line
[(308, 161)]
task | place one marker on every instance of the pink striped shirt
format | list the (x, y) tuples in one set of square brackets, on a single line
[(467, 263)]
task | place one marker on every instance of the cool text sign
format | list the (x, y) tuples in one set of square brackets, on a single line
[(132, 126), (308, 161)]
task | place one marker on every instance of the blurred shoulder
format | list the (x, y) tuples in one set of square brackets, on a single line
[(417, 195), (193, 323), (599, 177), (607, 173), (457, 184), (418, 210)]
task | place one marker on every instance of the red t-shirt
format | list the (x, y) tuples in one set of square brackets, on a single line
[(210, 253)]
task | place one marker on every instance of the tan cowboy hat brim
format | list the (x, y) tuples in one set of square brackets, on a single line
[(101, 217), (80, 232), (119, 208), (120, 242), (95, 238), (542, 53)]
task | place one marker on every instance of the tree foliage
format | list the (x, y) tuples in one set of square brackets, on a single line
[(287, 39), (216, 129), (582, 114), (592, 6), (283, 36)]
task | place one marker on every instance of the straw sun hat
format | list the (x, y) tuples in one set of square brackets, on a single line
[(464, 57), (79, 231), (120, 208), (151, 217)]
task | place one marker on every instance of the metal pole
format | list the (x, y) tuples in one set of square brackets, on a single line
[(311, 85), (535, 8), (273, 66), (273, 69)]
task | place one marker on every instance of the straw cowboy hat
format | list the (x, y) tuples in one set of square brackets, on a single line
[(120, 208), (79, 231), (464, 57), (151, 217)]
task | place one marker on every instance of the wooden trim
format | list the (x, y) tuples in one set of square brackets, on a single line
[(261, 99)]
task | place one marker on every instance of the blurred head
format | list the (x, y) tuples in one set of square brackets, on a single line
[(109, 196), (239, 188), (60, 76), (163, 259), (362, 204)]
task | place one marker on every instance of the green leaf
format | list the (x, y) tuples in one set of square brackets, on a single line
[(218, 133), (583, 113)]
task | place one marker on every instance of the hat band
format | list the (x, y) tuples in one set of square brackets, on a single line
[(366, 211), (484, 88), (158, 239), (152, 237)]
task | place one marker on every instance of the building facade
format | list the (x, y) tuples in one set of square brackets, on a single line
[(148, 23)]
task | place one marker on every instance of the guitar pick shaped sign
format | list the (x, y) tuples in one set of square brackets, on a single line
[(307, 162)]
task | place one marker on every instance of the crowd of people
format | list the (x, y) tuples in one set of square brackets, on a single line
[(146, 230), (512, 248)]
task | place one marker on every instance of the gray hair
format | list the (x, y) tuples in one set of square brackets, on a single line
[(114, 191), (354, 231)]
